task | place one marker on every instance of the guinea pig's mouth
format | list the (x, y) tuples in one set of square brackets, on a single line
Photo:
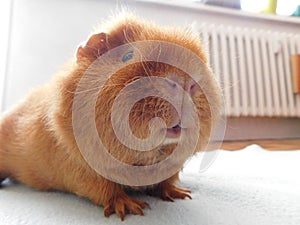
[(174, 132)]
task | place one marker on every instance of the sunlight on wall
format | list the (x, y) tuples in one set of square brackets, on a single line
[(287, 7), (253, 5), (284, 7)]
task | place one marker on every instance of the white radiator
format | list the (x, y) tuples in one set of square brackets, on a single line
[(254, 69)]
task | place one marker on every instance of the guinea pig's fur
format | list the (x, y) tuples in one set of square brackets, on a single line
[(37, 144)]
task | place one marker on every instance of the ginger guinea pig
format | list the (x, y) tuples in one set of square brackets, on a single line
[(40, 147)]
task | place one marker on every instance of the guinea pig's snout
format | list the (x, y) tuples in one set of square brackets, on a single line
[(189, 85)]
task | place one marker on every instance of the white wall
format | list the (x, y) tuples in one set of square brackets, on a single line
[(45, 34), (5, 10)]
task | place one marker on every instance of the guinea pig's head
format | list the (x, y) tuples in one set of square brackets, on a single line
[(127, 69)]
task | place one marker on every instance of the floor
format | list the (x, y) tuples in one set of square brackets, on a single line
[(251, 186)]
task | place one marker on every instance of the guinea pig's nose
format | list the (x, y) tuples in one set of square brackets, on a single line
[(175, 81), (189, 85), (192, 87)]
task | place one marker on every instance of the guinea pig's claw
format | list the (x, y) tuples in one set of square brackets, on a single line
[(125, 205), (171, 192)]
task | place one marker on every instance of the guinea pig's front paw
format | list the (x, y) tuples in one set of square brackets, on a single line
[(123, 205), (170, 192)]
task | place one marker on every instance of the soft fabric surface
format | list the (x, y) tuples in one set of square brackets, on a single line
[(252, 186)]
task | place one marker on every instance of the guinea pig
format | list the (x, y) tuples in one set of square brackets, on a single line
[(37, 142)]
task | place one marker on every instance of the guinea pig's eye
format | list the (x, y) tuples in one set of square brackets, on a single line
[(127, 56)]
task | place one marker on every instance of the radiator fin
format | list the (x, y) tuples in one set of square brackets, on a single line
[(253, 68)]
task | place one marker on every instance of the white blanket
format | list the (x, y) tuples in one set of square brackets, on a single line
[(251, 186)]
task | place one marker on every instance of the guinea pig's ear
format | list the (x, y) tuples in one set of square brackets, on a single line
[(94, 47)]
